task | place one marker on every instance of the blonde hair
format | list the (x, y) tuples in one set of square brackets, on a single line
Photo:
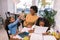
[(30, 24)]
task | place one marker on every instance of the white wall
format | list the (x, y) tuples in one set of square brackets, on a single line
[(6, 5), (0, 7), (3, 7), (57, 17), (33, 2), (10, 6)]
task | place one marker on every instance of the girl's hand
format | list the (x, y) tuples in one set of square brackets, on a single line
[(31, 31), (19, 17), (45, 33), (22, 18)]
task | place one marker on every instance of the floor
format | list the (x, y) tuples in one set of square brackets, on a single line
[(3, 34)]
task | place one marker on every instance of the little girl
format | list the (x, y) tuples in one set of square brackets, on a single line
[(41, 24), (11, 24), (38, 33)]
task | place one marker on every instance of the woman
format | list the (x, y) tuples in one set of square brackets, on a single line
[(32, 17)]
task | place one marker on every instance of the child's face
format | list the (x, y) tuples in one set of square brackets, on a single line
[(29, 26), (41, 23), (12, 19)]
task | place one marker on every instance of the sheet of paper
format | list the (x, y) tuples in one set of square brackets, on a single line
[(48, 37), (40, 30), (36, 37)]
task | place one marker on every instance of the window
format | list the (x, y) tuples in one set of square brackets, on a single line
[(45, 4), (42, 4), (24, 5)]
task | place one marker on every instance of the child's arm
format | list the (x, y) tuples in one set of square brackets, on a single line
[(14, 23), (45, 33), (31, 31)]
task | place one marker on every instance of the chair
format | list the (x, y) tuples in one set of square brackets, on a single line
[(1, 20)]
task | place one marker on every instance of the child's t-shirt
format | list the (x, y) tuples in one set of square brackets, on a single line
[(25, 29), (34, 26), (25, 32), (13, 27)]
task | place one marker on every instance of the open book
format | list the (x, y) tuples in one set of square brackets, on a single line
[(40, 30)]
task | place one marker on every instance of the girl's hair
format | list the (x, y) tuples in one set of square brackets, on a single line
[(44, 20), (39, 19), (7, 22), (30, 24)]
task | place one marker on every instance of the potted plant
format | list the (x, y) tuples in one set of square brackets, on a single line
[(49, 15)]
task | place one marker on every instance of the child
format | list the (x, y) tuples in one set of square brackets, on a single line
[(41, 24), (37, 35), (12, 25), (47, 24), (26, 30)]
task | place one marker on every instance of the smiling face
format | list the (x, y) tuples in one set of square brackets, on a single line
[(32, 11), (12, 19), (29, 25), (41, 23)]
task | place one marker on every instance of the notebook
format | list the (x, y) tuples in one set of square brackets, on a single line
[(40, 30)]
